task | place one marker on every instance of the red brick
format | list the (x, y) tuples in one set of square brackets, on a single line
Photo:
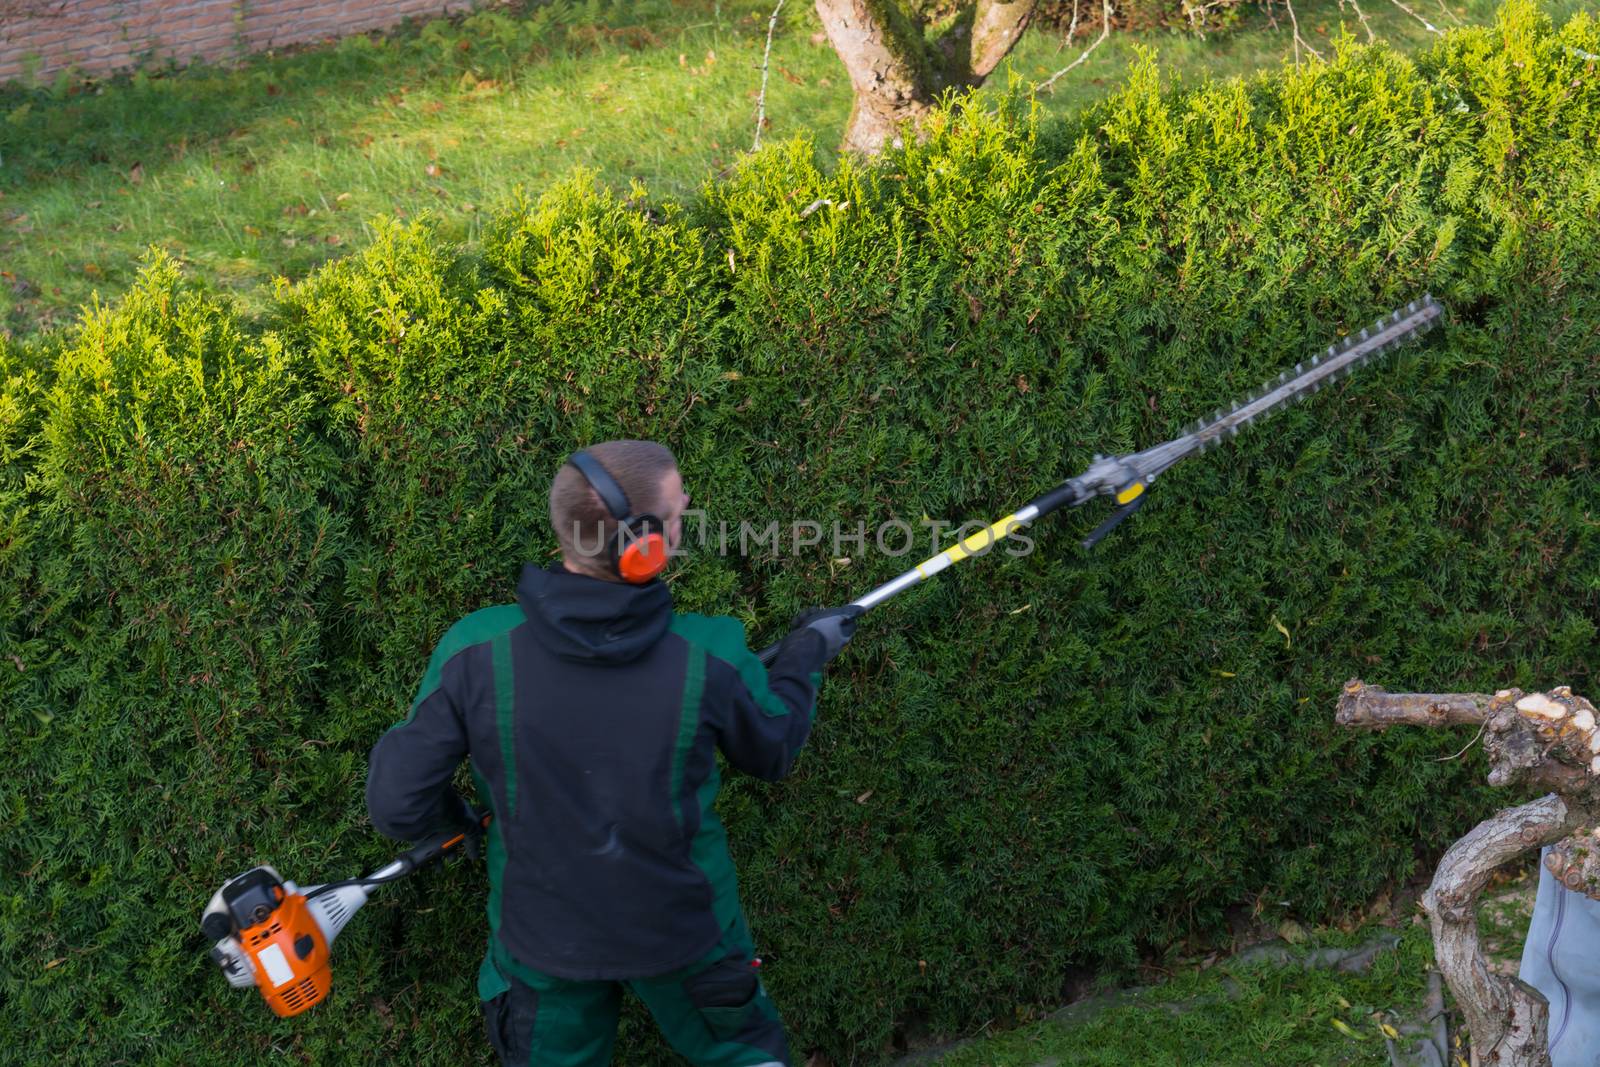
[(102, 35)]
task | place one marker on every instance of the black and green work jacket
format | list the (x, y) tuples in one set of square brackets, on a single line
[(592, 715)]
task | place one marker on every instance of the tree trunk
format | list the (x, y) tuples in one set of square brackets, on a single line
[(894, 73), (997, 25)]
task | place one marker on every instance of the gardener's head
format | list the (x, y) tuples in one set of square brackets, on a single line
[(588, 529)]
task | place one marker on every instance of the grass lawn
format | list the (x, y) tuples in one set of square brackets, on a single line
[(1236, 1015), (274, 167), (1251, 1015)]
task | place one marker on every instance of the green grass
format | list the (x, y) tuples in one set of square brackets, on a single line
[(275, 167), (1259, 1014), (1233, 1015)]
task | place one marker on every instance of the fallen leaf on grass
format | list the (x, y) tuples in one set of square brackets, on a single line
[(136, 174), (1344, 1028)]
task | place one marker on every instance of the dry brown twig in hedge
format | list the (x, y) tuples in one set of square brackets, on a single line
[(1550, 740), (1105, 31)]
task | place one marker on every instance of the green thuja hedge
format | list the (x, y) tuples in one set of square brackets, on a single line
[(228, 546)]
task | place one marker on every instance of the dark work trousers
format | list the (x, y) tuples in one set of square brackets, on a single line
[(714, 1012)]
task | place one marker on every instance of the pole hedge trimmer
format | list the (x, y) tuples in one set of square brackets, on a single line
[(1126, 478)]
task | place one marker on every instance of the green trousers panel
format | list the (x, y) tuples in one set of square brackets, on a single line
[(715, 1012)]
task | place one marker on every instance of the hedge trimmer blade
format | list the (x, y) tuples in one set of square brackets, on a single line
[(1304, 379)]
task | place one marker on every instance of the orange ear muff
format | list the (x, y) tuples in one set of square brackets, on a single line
[(643, 559)]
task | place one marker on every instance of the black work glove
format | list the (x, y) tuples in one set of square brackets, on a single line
[(836, 626)]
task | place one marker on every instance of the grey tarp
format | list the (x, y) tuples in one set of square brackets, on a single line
[(1562, 960)]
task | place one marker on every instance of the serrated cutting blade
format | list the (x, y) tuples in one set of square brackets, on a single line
[(1305, 378)]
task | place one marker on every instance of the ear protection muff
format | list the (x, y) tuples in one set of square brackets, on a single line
[(639, 551)]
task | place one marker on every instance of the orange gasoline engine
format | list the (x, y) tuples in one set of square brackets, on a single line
[(276, 936)]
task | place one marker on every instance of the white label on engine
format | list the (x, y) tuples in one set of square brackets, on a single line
[(277, 967)]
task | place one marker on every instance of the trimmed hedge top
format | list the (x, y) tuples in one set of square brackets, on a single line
[(227, 546)]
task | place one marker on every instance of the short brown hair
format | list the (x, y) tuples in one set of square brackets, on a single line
[(578, 515)]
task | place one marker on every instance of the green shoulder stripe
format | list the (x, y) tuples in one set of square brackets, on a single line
[(694, 682), (475, 629), (723, 637)]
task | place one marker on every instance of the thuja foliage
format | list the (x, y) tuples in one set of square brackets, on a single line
[(228, 545)]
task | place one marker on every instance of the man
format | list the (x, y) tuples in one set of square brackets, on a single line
[(592, 714)]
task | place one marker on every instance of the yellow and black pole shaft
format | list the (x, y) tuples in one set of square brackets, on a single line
[(1127, 478), (1069, 493)]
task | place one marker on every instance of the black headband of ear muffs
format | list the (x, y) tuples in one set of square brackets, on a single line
[(610, 493)]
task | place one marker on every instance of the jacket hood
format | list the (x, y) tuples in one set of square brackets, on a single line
[(586, 619)]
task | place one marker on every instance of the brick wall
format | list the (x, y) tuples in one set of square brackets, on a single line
[(101, 36)]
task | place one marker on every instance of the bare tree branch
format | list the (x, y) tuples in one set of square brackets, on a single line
[(761, 100), (1362, 15), (1430, 27), (1374, 707), (1105, 31), (1298, 40), (1072, 29), (1548, 739), (1576, 862)]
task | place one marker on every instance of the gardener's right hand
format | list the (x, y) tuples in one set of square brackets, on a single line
[(836, 626)]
